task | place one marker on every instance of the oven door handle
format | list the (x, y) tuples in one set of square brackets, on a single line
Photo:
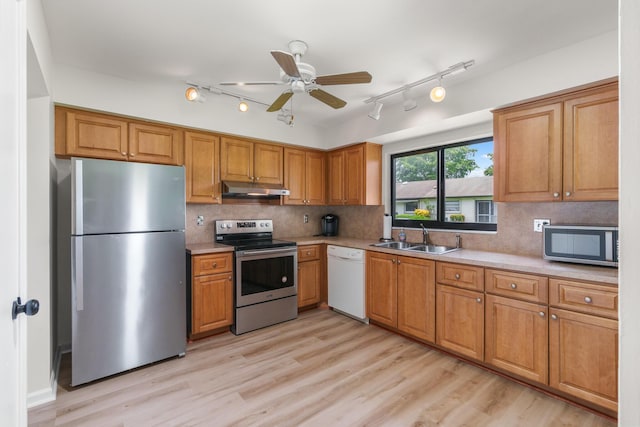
[(269, 251)]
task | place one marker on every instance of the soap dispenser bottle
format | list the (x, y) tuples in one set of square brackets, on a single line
[(402, 236)]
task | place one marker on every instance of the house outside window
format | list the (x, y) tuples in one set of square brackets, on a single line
[(445, 187)]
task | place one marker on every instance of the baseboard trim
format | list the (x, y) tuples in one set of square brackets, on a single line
[(46, 395)]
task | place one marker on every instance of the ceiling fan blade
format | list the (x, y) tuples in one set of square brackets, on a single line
[(279, 103), (250, 83), (344, 79), (287, 62), (327, 98)]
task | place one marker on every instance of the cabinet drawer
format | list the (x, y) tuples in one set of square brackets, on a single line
[(517, 285), (462, 276), (308, 253), (211, 264), (585, 297)]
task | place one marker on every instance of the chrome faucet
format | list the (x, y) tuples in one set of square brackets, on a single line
[(425, 234)]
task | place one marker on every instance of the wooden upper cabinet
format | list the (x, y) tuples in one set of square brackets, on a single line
[(304, 176), (202, 173), (591, 146), (247, 161), (103, 136), (355, 174), (560, 147)]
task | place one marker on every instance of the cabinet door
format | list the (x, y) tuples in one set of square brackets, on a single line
[(460, 321), (417, 297), (528, 154), (155, 144), (212, 304), (315, 178), (309, 276), (591, 147), (202, 152), (583, 357), (336, 161), (94, 135), (354, 175), (295, 176), (516, 337), (236, 160), (267, 164), (382, 297)]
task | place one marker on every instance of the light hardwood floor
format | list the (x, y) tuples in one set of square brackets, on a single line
[(322, 369)]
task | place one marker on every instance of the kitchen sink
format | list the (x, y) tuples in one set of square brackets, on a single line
[(394, 245), (432, 249), (416, 247)]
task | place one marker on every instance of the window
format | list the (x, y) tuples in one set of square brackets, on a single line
[(448, 187)]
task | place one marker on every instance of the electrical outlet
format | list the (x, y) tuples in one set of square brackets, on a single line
[(306, 218), (200, 220), (538, 223)]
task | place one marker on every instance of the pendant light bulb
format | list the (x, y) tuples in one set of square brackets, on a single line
[(243, 106), (438, 93)]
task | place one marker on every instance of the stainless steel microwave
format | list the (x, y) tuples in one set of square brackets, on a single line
[(597, 245)]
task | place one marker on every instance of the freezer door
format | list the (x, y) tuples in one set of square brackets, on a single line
[(121, 197), (128, 302)]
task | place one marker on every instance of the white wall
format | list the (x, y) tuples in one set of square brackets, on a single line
[(629, 287)]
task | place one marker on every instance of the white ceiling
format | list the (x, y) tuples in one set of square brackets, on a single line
[(398, 42)]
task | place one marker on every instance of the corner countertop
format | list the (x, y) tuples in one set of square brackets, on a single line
[(519, 263)]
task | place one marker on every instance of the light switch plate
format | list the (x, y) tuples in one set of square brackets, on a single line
[(200, 220), (538, 223)]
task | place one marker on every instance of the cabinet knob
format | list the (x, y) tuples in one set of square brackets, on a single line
[(478, 299), (513, 286), (214, 265), (554, 317), (393, 261), (251, 178), (124, 153), (230, 278), (308, 252), (257, 178), (568, 193), (398, 261), (556, 194), (541, 313), (588, 300), (457, 276), (132, 154)]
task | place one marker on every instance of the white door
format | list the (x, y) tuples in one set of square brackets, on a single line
[(12, 218)]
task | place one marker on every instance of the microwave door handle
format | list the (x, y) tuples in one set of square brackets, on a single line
[(608, 245)]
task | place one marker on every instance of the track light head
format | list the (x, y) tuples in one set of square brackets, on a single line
[(243, 106), (438, 93), (375, 113), (193, 94)]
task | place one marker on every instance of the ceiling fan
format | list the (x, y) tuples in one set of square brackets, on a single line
[(301, 77)]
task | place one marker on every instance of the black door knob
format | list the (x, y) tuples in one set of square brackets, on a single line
[(30, 308)]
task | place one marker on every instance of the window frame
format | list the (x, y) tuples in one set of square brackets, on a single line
[(440, 222)]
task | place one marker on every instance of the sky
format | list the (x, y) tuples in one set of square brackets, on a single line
[(481, 158)]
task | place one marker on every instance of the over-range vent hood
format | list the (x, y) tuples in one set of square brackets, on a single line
[(248, 189)]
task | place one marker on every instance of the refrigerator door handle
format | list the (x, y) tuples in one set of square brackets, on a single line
[(78, 279), (77, 201)]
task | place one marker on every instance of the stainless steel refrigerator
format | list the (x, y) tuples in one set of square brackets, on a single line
[(128, 266)]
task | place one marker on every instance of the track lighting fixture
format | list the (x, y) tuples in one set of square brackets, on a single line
[(243, 106), (375, 113), (193, 94), (437, 94), (409, 103)]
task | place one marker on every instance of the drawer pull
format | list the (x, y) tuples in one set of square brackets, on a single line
[(541, 313), (457, 276), (308, 252), (478, 299), (554, 317), (214, 265), (588, 300), (513, 286)]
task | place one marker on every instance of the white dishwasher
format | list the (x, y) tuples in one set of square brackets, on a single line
[(346, 281)]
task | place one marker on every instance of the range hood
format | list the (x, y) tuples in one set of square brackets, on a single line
[(249, 189)]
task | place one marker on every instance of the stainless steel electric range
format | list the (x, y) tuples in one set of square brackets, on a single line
[(266, 274)]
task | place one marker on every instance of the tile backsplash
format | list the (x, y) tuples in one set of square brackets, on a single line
[(515, 223)]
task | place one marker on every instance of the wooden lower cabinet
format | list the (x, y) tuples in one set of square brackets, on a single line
[(583, 357), (516, 338), (310, 267), (211, 293), (401, 293), (460, 321)]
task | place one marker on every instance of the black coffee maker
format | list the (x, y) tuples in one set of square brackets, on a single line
[(329, 225)]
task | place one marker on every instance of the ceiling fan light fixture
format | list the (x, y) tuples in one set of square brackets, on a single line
[(375, 113), (192, 94), (243, 106), (438, 93), (298, 86), (286, 118), (408, 103)]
